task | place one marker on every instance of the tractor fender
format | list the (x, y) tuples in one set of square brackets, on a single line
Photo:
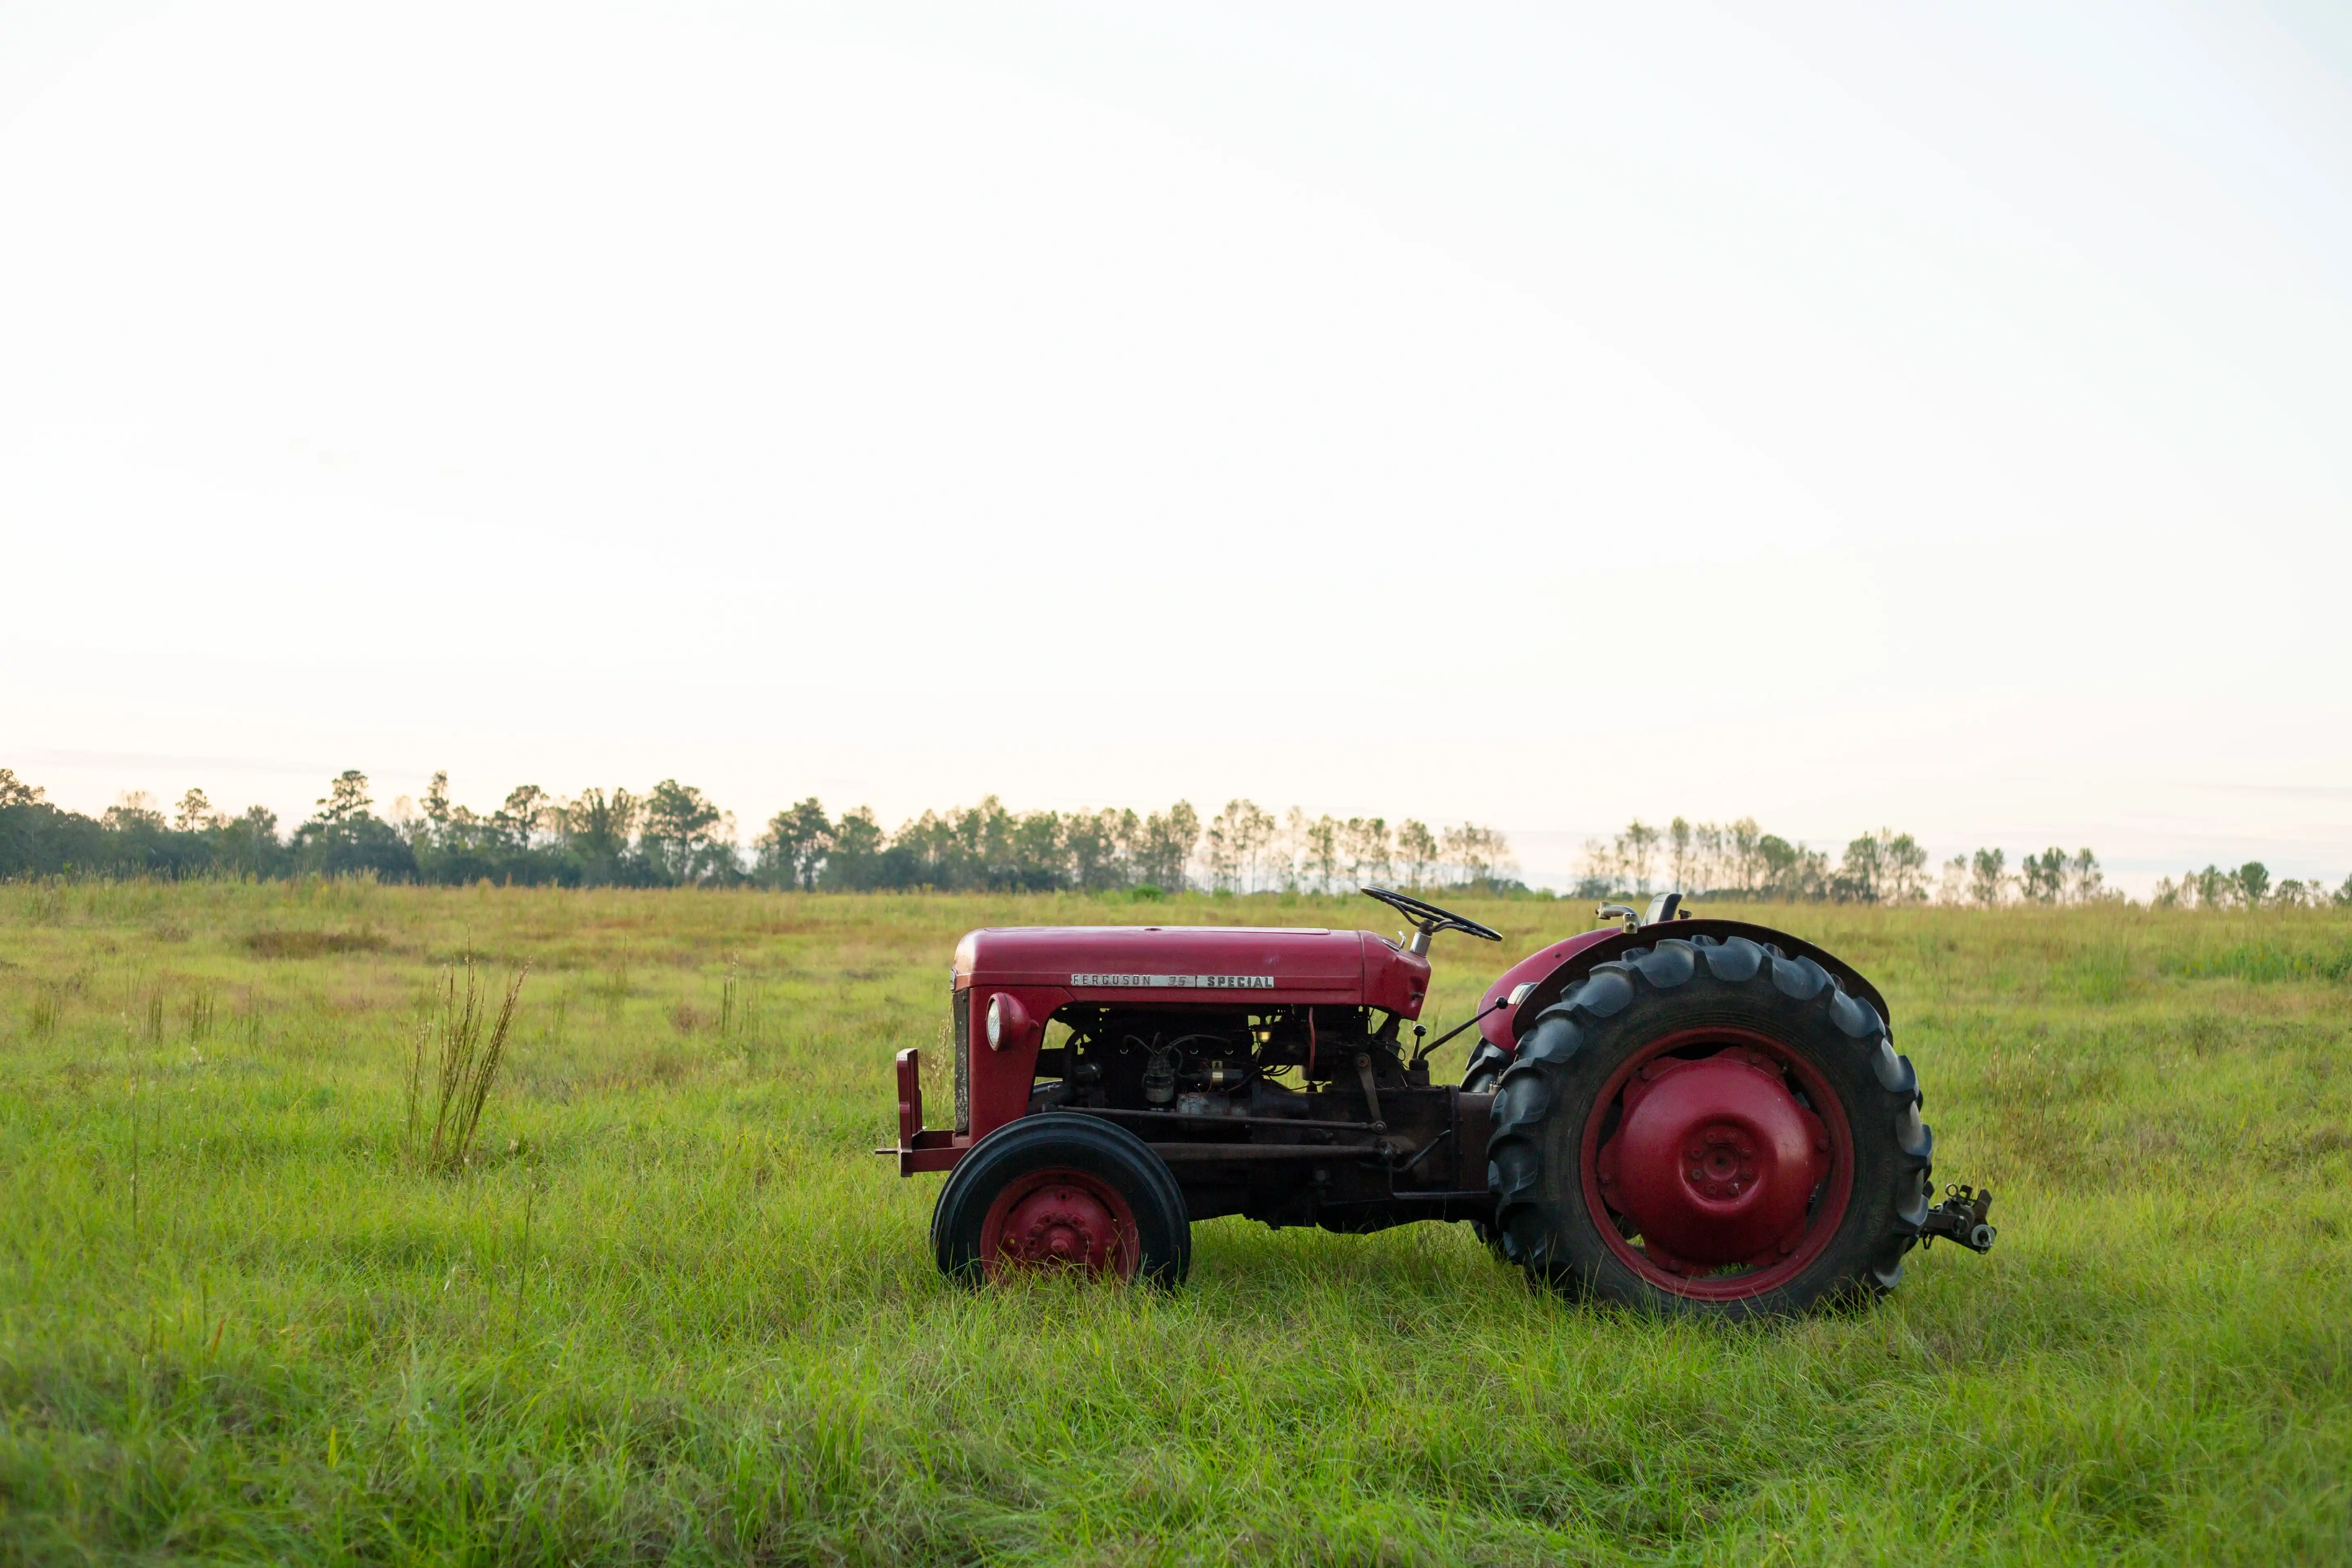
[(1496, 1023), (1562, 964)]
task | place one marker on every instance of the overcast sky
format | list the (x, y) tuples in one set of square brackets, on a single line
[(1930, 416)]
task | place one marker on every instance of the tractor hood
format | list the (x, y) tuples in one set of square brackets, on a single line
[(1193, 965)]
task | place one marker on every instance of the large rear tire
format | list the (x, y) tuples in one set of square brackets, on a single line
[(1713, 1128), (1056, 1190)]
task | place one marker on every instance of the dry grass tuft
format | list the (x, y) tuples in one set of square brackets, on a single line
[(467, 1066)]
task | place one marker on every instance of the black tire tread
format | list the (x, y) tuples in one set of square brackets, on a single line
[(1754, 974), (1480, 1076)]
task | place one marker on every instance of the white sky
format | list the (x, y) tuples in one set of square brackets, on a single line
[(1933, 416)]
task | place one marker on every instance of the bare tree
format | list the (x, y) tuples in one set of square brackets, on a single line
[(1480, 853), (1323, 853), (1745, 840), (194, 813), (1987, 877), (600, 827), (1089, 847), (1711, 873), (1238, 841), (1604, 870), (2086, 882), (527, 810), (132, 811), (1637, 848), (792, 849), (1366, 839), (2042, 878), (1860, 874), (1222, 844), (1416, 852), (1884, 867), (1904, 860), (1165, 846), (347, 797), (1126, 830), (685, 835), (1257, 842), (1287, 859), (1791, 873)]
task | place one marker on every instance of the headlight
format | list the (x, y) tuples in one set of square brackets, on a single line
[(1008, 1023)]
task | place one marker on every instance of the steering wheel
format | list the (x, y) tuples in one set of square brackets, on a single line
[(1427, 918)]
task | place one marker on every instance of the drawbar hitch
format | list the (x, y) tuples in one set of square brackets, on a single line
[(1961, 1218)]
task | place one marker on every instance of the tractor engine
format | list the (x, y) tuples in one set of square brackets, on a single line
[(1291, 1115)]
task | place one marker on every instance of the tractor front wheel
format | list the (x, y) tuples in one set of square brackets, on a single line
[(1059, 1191)]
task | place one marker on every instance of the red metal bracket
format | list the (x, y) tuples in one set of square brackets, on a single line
[(920, 1148), (910, 1096)]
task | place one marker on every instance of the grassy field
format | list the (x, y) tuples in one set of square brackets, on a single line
[(676, 1311)]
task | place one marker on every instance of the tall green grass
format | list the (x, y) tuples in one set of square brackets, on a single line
[(671, 1309)]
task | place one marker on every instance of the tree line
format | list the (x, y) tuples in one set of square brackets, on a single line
[(675, 836), (2247, 887), (1739, 860)]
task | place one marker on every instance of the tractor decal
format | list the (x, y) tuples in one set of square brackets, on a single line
[(1191, 981)]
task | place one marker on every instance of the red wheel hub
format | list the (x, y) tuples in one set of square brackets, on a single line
[(1714, 1162), (1059, 1219)]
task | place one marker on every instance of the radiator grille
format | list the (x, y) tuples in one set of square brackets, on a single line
[(961, 1005)]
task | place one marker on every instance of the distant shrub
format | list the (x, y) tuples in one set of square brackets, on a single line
[(312, 943), (2263, 963)]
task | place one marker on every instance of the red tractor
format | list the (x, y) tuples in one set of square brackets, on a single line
[(1673, 1114)]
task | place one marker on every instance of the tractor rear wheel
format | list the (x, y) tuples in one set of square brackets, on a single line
[(1062, 1191), (1710, 1127)]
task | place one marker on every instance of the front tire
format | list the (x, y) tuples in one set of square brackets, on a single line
[(1058, 1190), (1713, 1128)]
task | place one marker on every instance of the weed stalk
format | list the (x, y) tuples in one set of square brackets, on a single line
[(472, 1048)]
